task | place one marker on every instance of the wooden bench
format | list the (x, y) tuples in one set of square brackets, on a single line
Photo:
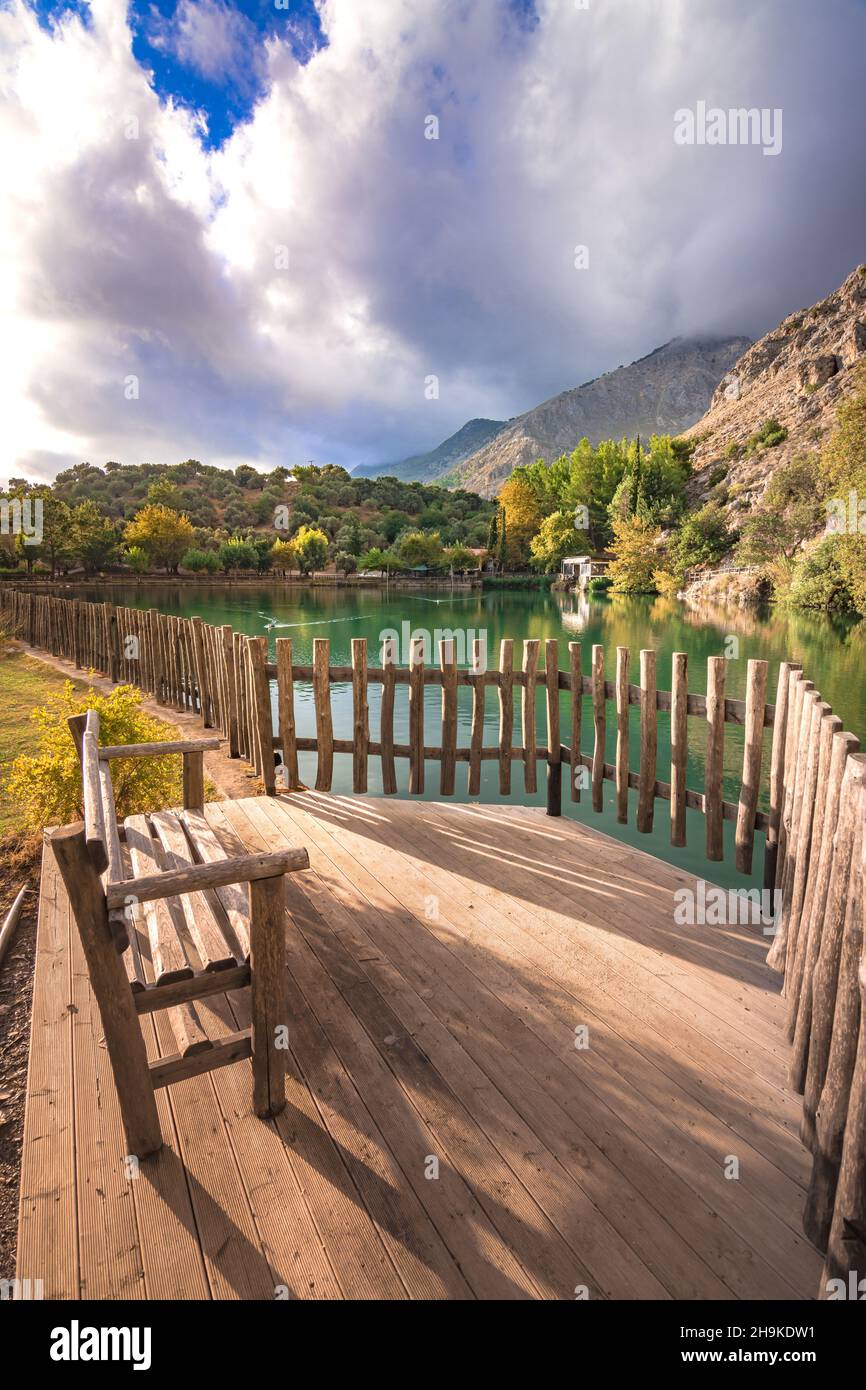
[(170, 922)]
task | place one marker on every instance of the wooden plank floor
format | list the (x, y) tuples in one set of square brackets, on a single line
[(444, 1136)]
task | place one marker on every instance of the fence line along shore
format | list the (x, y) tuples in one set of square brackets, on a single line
[(815, 780)]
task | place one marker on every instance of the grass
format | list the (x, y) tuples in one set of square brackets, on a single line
[(24, 683)]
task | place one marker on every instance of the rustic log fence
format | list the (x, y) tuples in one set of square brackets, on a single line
[(815, 846)]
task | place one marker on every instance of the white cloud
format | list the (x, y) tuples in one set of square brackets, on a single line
[(155, 257), (209, 36)]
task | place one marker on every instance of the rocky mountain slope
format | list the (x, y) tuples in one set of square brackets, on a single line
[(427, 468), (796, 375), (663, 393)]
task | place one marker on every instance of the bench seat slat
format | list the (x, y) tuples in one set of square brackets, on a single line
[(166, 950), (209, 847), (201, 919)]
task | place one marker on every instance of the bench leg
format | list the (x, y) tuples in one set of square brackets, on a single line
[(269, 997), (123, 1038)]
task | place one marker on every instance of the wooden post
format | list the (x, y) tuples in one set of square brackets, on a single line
[(806, 846), (230, 717), (832, 1112), (623, 658), (679, 746), (648, 741), (476, 740), (756, 701), (777, 775), (193, 781), (554, 736), (846, 1248), (324, 724), (448, 669), (796, 687), (120, 1026), (800, 712), (416, 715), (360, 715), (530, 671), (599, 717), (263, 720), (826, 977), (201, 673), (576, 762), (800, 1001), (506, 713), (386, 733), (286, 712), (269, 1002)]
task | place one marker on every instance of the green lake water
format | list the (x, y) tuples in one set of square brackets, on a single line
[(833, 655)]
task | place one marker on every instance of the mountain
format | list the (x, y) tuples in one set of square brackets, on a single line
[(428, 468), (663, 393), (796, 376)]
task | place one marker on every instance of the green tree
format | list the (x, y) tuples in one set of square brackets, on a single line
[(789, 512), (283, 555), (237, 554), (94, 538), (554, 539), (311, 548), (345, 562), (164, 534)]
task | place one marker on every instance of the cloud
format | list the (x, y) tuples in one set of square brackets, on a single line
[(285, 296), (209, 36)]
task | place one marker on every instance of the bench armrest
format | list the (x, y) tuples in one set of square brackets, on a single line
[(158, 750), (172, 883)]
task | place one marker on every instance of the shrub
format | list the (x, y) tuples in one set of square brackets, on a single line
[(768, 436), (702, 538), (201, 560), (46, 785), (820, 580), (599, 584), (718, 475)]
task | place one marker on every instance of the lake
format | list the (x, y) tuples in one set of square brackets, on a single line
[(833, 654)]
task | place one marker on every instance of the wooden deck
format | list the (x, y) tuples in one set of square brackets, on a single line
[(441, 958)]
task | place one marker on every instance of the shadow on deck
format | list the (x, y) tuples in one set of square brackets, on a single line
[(444, 1134)]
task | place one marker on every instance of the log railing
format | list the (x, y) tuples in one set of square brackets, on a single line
[(814, 789)]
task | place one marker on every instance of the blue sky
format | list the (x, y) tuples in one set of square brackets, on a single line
[(240, 210)]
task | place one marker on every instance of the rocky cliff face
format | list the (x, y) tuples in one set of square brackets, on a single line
[(663, 393), (795, 375)]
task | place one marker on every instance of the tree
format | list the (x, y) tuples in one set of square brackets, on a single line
[(421, 548), (789, 512), (311, 548), (164, 534), (164, 493), (635, 556), (345, 562), (238, 554), (56, 547), (554, 539), (136, 559), (376, 559), (94, 539), (702, 539), (283, 556), (201, 561), (459, 558), (522, 516)]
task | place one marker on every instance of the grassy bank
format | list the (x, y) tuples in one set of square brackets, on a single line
[(24, 683)]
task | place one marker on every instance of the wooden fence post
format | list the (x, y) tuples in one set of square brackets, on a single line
[(679, 746), (554, 736), (648, 741)]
